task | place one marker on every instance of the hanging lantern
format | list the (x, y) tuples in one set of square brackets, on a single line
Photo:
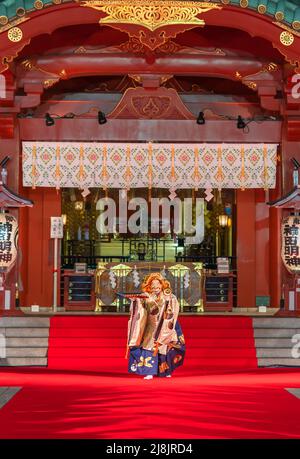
[(79, 205), (290, 247), (223, 220), (9, 232)]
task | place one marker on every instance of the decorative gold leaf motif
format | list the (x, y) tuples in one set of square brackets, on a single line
[(271, 67), (145, 362), (38, 4), (121, 270), (158, 14), (244, 3), (8, 25), (251, 84), (262, 9), (178, 270), (49, 83), (286, 38), (20, 12), (198, 268), (296, 25), (15, 34), (3, 20), (279, 16), (287, 28), (27, 64)]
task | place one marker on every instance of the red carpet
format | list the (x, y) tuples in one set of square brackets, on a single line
[(86, 391), (99, 343), (76, 405)]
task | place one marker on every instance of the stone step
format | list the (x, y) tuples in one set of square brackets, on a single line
[(26, 342), (276, 322), (13, 322), (273, 362), (7, 394), (281, 343), (275, 332), (27, 332), (23, 361), (267, 353), (26, 352)]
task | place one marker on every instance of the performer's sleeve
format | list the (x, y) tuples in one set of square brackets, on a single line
[(136, 323), (168, 332)]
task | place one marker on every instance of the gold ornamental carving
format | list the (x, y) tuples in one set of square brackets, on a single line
[(179, 270), (153, 24), (262, 9), (49, 83), (20, 12), (3, 20), (279, 16), (38, 4), (6, 26), (270, 67), (15, 34), (286, 38), (151, 107), (287, 28), (154, 16), (296, 25)]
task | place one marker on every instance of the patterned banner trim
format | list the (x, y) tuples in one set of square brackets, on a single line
[(137, 165)]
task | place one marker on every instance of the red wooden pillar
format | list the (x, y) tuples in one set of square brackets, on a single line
[(262, 244), (275, 242), (246, 263), (9, 146), (275, 257), (37, 247)]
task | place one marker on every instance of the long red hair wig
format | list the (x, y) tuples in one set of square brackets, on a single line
[(146, 286)]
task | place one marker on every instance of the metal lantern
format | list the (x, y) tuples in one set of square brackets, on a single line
[(9, 232), (290, 248), (223, 220)]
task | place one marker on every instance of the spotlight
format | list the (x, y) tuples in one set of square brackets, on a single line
[(201, 119), (69, 115), (240, 123), (4, 161), (296, 164), (49, 120), (101, 118)]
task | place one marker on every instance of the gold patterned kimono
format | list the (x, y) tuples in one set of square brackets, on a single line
[(143, 324)]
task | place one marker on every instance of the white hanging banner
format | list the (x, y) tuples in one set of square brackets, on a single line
[(147, 165)]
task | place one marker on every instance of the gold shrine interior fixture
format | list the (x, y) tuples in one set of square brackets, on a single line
[(150, 21), (186, 279), (148, 165)]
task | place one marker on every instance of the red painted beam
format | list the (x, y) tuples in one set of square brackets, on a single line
[(145, 130), (48, 20), (78, 65)]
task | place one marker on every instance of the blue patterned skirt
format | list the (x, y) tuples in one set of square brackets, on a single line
[(142, 361)]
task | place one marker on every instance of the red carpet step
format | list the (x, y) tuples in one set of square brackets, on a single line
[(99, 343)]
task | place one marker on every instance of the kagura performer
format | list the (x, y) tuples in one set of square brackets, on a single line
[(155, 341)]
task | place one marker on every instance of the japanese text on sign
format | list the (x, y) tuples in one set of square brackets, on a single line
[(8, 240), (57, 228), (291, 243)]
